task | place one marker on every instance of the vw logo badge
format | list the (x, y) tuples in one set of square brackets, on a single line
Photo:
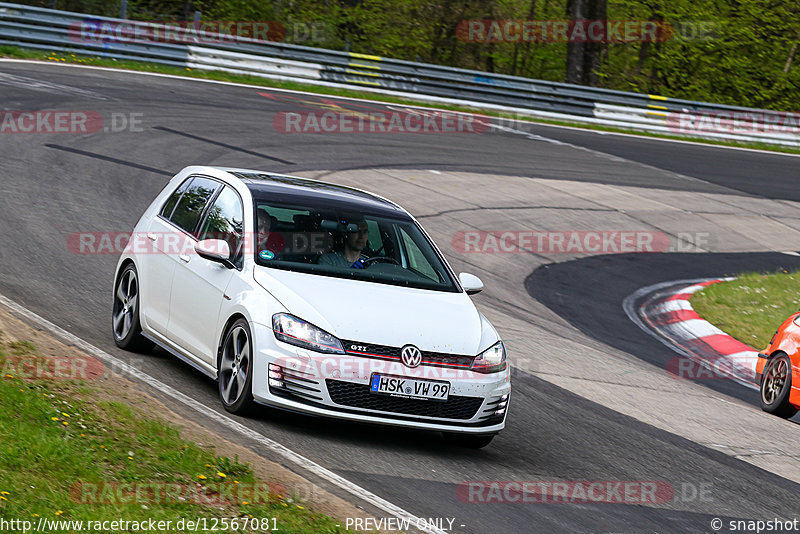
[(411, 356)]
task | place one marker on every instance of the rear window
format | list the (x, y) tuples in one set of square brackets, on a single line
[(172, 201)]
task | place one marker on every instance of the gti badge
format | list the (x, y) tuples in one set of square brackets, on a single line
[(411, 356)]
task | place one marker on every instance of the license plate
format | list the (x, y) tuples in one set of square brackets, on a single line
[(409, 388)]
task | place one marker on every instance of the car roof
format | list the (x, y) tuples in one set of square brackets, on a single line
[(294, 189)]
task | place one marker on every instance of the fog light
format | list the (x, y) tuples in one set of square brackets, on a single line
[(275, 383)]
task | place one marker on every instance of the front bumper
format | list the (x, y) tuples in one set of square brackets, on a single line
[(337, 386)]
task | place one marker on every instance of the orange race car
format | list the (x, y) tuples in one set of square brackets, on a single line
[(778, 370)]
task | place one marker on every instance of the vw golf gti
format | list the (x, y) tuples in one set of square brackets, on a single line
[(311, 297)]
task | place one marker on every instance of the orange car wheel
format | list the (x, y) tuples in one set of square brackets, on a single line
[(776, 385)]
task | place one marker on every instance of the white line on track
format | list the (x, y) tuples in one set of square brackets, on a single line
[(273, 446), (41, 85), (394, 93)]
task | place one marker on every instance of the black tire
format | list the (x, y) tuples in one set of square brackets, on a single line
[(776, 383), (235, 361), (468, 441), (125, 324)]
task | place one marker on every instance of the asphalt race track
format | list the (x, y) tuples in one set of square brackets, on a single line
[(561, 313), (622, 274)]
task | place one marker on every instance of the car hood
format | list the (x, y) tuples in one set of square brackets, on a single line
[(381, 314)]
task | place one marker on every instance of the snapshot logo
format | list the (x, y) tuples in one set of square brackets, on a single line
[(712, 368), (735, 122), (67, 122), (379, 121), (560, 242)]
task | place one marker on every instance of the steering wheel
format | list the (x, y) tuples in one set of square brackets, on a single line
[(386, 259)]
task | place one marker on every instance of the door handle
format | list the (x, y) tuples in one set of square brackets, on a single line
[(152, 237), (185, 258)]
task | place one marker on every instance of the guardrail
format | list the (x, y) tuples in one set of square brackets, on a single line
[(46, 29)]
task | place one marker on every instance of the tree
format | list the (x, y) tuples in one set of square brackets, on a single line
[(584, 58)]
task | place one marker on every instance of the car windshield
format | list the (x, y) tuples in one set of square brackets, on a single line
[(344, 243)]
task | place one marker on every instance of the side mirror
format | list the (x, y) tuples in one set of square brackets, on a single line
[(215, 250), (471, 283)]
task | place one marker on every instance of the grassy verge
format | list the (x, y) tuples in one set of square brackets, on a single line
[(19, 53), (64, 455), (751, 307)]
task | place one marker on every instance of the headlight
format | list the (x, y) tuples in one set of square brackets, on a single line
[(294, 331), (492, 360)]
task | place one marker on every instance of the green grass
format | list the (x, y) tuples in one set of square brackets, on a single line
[(751, 307), (19, 53), (62, 451)]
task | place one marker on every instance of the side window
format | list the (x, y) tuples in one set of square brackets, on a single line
[(190, 207), (225, 220)]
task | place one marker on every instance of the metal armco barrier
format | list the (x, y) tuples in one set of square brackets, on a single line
[(52, 30)]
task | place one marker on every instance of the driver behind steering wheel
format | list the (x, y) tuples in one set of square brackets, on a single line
[(349, 252)]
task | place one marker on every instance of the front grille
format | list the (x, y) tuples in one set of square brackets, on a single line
[(384, 352), (359, 396)]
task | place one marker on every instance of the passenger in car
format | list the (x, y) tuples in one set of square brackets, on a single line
[(348, 253), (268, 241)]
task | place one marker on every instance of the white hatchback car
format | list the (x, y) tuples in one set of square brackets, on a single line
[(311, 297)]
